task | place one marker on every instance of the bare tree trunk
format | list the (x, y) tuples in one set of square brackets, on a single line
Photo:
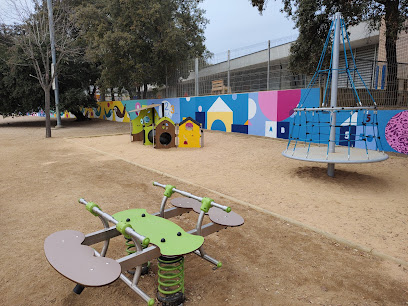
[(93, 92), (139, 93), (47, 114), (144, 91), (102, 94), (391, 36)]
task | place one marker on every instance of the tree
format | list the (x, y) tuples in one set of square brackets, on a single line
[(19, 92), (136, 41), (312, 19), (77, 79), (33, 42)]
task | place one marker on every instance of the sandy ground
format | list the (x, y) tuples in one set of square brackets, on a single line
[(267, 261)]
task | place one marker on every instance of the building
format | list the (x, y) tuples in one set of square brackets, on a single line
[(249, 73)]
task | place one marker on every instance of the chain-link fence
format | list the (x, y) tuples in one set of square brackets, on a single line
[(259, 68)]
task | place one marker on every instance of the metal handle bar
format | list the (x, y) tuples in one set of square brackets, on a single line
[(111, 219), (189, 195)]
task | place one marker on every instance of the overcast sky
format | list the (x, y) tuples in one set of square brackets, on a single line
[(235, 24)]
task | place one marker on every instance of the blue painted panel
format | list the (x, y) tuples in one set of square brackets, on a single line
[(256, 124), (200, 117), (239, 128), (238, 103), (283, 130), (311, 99), (347, 136), (364, 137), (187, 108)]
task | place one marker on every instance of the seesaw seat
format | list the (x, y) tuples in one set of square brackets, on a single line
[(183, 202), (216, 215), (168, 236), (78, 262)]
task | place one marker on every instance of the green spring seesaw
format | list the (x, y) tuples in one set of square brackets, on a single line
[(148, 236)]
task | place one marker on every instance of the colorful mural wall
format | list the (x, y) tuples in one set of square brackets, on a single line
[(53, 114), (117, 110), (266, 113)]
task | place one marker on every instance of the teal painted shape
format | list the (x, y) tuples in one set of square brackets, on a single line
[(98, 111), (218, 125), (156, 228)]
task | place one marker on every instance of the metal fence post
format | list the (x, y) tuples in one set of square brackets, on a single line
[(167, 84), (229, 69), (269, 65), (196, 92), (280, 76)]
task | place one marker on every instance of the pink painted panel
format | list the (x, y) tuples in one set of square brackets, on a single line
[(268, 102), (287, 100)]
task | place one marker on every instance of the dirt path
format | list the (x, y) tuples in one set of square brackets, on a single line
[(267, 261), (365, 203)]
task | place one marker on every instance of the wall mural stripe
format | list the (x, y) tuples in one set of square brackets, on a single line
[(266, 113)]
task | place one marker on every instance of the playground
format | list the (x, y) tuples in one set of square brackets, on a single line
[(307, 238)]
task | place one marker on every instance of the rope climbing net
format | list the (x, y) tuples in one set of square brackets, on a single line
[(329, 133), (357, 138)]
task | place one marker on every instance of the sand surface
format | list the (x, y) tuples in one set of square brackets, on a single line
[(266, 261)]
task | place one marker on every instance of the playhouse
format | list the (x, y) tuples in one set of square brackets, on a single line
[(161, 132), (162, 135), (190, 134), (146, 116)]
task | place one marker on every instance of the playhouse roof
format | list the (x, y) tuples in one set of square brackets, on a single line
[(144, 107), (162, 119), (189, 119)]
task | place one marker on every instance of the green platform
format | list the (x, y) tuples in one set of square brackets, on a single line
[(157, 228)]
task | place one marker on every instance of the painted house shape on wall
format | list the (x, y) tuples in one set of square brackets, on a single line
[(220, 116), (189, 134)]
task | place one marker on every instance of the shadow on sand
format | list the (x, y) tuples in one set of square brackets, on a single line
[(341, 177)]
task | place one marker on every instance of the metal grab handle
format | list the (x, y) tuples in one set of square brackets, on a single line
[(107, 217), (189, 195)]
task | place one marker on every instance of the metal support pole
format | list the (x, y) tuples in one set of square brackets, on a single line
[(196, 91), (54, 61), (334, 83), (163, 206), (229, 74), (167, 85), (269, 65), (373, 67)]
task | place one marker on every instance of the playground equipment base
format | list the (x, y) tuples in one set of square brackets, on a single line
[(342, 155)]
